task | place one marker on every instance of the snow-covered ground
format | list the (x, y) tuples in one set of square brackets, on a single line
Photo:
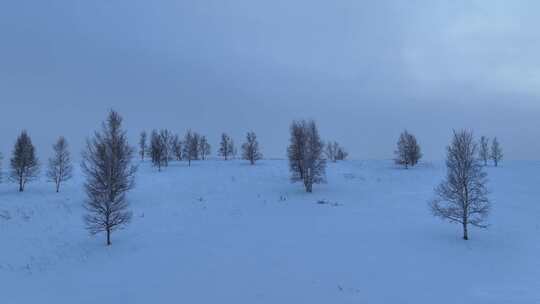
[(227, 232)]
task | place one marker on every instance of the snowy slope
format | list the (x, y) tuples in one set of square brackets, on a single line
[(227, 232)]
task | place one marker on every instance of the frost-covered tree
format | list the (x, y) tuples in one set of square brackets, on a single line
[(191, 146), (24, 163), (496, 152), (483, 149), (296, 150), (166, 138), (110, 174), (157, 150), (60, 168), (204, 147), (177, 147), (232, 148), (226, 146), (341, 154), (462, 197), (250, 149), (334, 151), (305, 152), (196, 145), (408, 150), (143, 145), (331, 149)]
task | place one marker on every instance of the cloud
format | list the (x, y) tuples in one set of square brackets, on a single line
[(230, 66), (488, 46)]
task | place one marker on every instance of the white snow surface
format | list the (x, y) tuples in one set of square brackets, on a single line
[(228, 232)]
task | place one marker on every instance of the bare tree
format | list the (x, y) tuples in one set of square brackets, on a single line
[(250, 149), (483, 151), (177, 147), (408, 151), (196, 141), (191, 146), (157, 150), (496, 152), (334, 151), (306, 161), (60, 168), (341, 154), (401, 151), (331, 150), (107, 166), (226, 147), (24, 163), (204, 147), (296, 150), (142, 145), (232, 149), (462, 197), (166, 138), (315, 164)]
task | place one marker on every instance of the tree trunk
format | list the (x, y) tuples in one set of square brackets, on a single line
[(21, 185), (465, 232), (309, 186), (109, 237), (57, 187)]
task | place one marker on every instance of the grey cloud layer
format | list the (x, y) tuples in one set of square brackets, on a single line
[(364, 70)]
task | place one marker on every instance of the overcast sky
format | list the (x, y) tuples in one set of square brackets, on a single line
[(365, 70)]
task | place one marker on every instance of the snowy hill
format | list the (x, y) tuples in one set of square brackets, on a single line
[(227, 232)]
